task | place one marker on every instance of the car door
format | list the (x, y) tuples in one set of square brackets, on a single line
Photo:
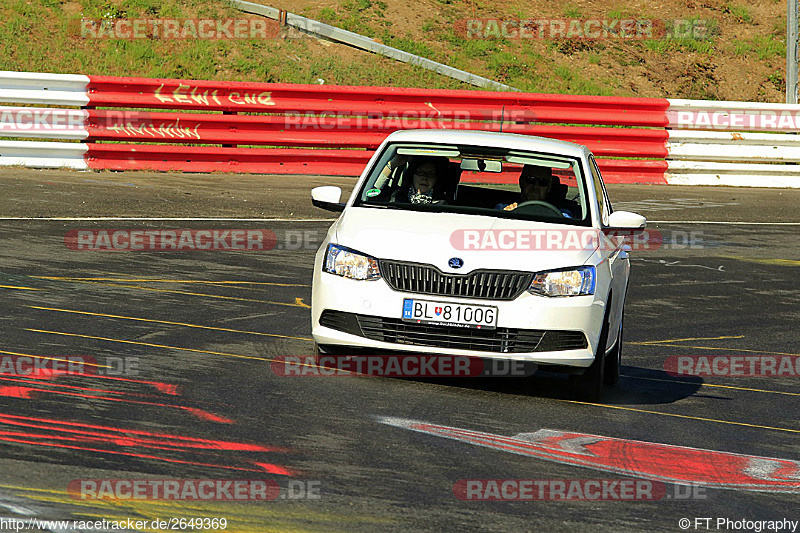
[(618, 259)]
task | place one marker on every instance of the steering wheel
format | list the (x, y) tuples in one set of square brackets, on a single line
[(538, 206)]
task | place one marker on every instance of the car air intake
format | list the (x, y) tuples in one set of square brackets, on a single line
[(499, 340)]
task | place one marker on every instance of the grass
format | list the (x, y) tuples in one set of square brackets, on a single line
[(530, 65), (429, 25), (687, 35), (778, 80), (351, 18), (663, 46), (573, 82), (739, 11), (48, 25), (762, 46), (692, 35), (410, 45), (505, 66)]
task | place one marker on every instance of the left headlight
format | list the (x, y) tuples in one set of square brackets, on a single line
[(349, 263), (570, 282)]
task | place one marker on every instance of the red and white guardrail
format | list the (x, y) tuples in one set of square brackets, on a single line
[(198, 126)]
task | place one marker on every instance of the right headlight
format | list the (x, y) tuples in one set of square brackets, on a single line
[(578, 281), (350, 264)]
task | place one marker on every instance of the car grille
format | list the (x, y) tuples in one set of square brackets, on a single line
[(500, 340), (480, 284)]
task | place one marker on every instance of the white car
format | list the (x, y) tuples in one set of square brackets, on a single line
[(479, 244)]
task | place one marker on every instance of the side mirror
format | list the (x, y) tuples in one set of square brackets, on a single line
[(327, 197), (625, 220)]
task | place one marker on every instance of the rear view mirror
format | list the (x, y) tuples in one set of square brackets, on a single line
[(482, 165)]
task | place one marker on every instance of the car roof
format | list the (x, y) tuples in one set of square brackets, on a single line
[(491, 139)]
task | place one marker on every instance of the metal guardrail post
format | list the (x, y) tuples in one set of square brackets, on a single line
[(791, 51)]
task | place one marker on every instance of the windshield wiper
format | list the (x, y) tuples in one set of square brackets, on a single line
[(377, 206)]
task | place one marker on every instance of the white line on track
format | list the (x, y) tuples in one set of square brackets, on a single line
[(285, 219), (171, 219)]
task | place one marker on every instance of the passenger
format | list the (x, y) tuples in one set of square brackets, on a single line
[(427, 177)]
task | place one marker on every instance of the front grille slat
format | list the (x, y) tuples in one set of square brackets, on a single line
[(479, 284)]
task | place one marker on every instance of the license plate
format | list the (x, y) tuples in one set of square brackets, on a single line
[(449, 313)]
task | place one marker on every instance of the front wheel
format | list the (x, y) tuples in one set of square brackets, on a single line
[(614, 357), (589, 385)]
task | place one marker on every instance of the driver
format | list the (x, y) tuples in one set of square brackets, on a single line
[(537, 184)]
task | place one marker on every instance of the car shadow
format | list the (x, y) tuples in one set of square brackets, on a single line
[(636, 386)]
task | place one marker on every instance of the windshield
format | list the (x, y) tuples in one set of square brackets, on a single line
[(485, 181)]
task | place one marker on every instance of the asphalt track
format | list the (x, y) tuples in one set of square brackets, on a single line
[(199, 398)]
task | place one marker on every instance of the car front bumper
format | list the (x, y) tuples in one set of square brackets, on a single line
[(374, 300)]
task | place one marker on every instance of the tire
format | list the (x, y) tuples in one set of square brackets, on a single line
[(614, 358), (588, 386)]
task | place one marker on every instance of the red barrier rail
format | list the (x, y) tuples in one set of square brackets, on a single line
[(350, 132), (170, 158), (153, 93), (291, 119), (219, 126)]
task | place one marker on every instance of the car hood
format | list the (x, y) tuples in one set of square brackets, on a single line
[(435, 238)]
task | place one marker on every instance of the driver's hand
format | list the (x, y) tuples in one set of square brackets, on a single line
[(510, 207)]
